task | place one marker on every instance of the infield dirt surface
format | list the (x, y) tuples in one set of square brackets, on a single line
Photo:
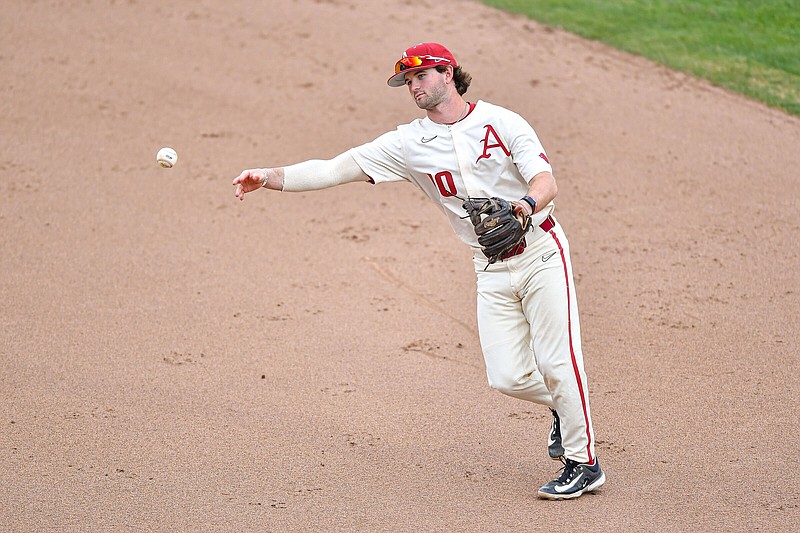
[(174, 360)]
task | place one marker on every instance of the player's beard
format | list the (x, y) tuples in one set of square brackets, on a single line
[(433, 96)]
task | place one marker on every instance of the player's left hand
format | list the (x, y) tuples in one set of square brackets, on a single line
[(497, 225), (248, 181)]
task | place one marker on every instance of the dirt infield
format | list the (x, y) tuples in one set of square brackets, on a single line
[(173, 360)]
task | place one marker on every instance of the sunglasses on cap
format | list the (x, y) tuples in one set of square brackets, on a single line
[(415, 61)]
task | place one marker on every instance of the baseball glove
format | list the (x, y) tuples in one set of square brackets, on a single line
[(498, 229)]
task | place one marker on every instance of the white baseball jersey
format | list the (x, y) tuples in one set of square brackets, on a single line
[(490, 152)]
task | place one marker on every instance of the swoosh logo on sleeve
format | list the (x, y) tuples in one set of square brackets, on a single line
[(426, 140), (545, 257)]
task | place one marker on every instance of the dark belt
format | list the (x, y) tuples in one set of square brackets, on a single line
[(546, 226)]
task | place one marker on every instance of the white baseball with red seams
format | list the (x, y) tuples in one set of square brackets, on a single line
[(167, 157)]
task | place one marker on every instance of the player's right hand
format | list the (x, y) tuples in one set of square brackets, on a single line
[(521, 211), (248, 181)]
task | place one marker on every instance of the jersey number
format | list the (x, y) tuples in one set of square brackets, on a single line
[(445, 183)]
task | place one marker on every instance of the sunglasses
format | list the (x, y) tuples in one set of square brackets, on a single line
[(415, 61)]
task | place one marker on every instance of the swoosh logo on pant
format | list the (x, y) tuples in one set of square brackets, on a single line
[(545, 257)]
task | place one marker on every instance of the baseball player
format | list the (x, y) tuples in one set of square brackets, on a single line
[(484, 167)]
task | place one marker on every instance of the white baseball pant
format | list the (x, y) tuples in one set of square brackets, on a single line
[(530, 333)]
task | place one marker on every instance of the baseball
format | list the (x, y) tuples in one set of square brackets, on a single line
[(167, 157)]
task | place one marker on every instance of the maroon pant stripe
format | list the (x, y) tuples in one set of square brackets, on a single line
[(572, 350)]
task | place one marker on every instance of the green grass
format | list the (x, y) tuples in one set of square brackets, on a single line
[(750, 47)]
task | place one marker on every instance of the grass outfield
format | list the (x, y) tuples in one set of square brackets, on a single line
[(748, 46)]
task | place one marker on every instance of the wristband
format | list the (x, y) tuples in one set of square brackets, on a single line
[(266, 177), (531, 202)]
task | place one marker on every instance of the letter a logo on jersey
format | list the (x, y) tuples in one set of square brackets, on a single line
[(486, 146)]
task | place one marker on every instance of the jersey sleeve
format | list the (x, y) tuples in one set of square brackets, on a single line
[(526, 149), (383, 159)]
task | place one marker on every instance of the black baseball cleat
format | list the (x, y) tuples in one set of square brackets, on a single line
[(554, 447), (576, 479)]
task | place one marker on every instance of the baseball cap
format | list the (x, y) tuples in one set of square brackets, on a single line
[(419, 57)]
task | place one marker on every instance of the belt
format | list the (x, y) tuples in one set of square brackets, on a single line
[(546, 226)]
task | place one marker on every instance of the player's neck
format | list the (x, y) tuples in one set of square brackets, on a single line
[(449, 112)]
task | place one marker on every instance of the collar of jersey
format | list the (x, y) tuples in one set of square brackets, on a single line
[(449, 124)]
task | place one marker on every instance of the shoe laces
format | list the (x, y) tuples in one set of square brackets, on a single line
[(568, 470)]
